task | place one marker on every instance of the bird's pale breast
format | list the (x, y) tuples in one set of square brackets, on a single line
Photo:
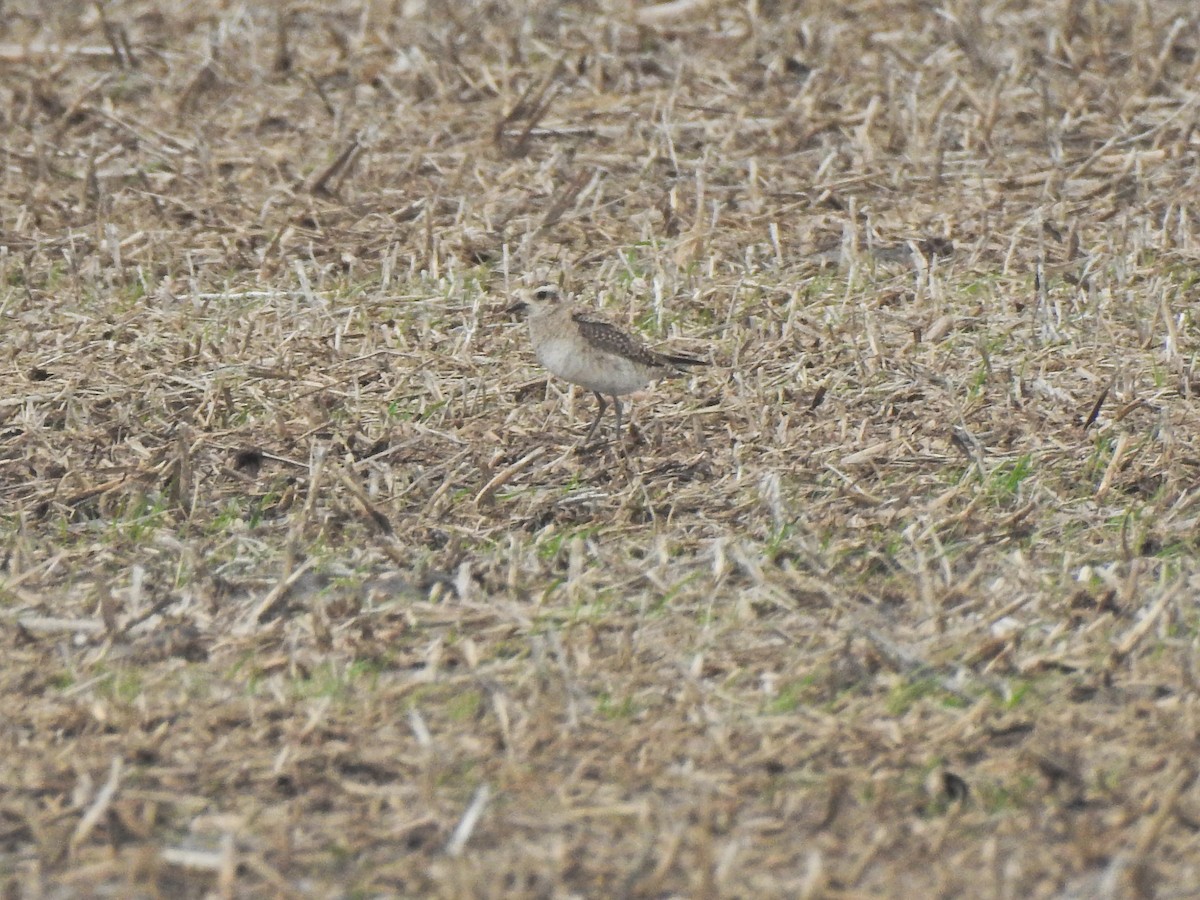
[(591, 368)]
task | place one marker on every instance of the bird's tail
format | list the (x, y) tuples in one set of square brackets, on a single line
[(682, 361)]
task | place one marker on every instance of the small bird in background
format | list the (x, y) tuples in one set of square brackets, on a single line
[(587, 351)]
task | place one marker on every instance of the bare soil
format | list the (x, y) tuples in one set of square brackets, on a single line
[(307, 591)]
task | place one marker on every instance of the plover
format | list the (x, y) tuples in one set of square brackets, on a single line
[(587, 351)]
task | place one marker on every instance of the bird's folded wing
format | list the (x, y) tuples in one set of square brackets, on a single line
[(610, 339)]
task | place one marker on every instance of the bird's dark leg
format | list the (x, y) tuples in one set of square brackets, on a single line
[(617, 403), (599, 415)]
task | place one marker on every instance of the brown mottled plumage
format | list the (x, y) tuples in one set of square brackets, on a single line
[(611, 339), (592, 353)]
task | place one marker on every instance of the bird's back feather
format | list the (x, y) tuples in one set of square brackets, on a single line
[(610, 339)]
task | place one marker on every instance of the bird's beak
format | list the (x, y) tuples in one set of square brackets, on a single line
[(519, 307)]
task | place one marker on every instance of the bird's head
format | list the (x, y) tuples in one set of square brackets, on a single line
[(538, 301)]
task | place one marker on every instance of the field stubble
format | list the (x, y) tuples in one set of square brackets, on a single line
[(306, 592)]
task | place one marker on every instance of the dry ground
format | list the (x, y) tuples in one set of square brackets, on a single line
[(305, 592)]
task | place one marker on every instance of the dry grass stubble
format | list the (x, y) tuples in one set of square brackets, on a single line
[(305, 592)]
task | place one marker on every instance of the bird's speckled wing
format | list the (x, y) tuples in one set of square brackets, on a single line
[(611, 339)]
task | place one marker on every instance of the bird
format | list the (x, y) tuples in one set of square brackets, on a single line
[(583, 349)]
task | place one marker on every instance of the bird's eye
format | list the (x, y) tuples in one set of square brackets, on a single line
[(545, 293)]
